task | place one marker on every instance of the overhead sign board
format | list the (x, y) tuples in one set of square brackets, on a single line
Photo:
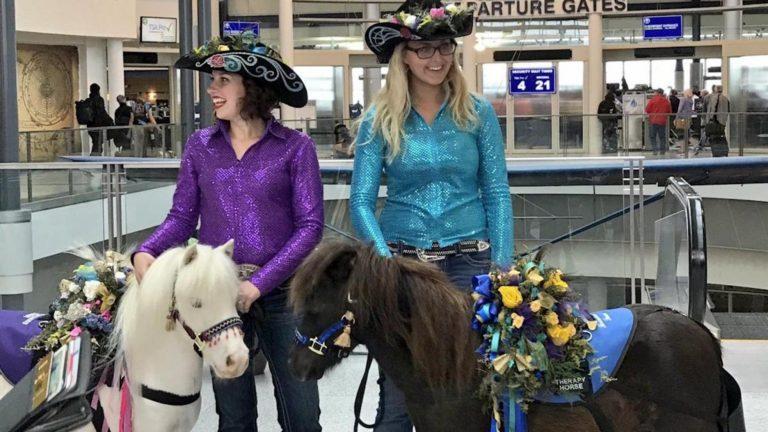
[(543, 8), (532, 80), (663, 27), (155, 29), (234, 28)]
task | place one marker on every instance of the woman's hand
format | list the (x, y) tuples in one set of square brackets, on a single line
[(247, 294), (141, 263)]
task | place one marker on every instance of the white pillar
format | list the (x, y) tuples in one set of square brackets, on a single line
[(95, 66), (732, 20), (595, 86), (371, 75), (286, 51), (116, 74), (469, 60), (680, 76)]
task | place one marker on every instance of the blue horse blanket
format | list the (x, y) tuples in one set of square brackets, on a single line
[(16, 328)]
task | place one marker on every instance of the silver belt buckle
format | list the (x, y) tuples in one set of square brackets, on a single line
[(425, 257), (482, 245)]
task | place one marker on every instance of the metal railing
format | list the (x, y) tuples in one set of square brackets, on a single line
[(151, 140)]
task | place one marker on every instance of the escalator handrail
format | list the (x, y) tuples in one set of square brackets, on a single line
[(693, 206)]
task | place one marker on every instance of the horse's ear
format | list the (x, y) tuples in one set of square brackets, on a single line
[(228, 248), (190, 254)]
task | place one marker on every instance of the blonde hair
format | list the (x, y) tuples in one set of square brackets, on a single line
[(688, 93), (393, 102)]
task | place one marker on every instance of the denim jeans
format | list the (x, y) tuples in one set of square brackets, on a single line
[(659, 142), (298, 404), (391, 414)]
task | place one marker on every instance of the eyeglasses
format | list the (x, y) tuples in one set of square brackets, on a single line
[(428, 51)]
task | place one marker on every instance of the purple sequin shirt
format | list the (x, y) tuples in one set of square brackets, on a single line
[(270, 201)]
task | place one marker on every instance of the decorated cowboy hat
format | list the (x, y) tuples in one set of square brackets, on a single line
[(418, 21), (245, 55)]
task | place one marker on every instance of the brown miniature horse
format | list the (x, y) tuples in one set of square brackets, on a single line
[(417, 327)]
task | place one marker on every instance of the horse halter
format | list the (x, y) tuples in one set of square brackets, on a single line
[(199, 339), (342, 342)]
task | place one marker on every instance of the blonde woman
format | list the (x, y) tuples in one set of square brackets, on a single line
[(442, 151), (685, 112)]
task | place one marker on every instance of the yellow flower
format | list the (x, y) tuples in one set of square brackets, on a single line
[(223, 48), (560, 335), (534, 276), (517, 320), (551, 318), (106, 304), (592, 325), (535, 306), (510, 296), (556, 283)]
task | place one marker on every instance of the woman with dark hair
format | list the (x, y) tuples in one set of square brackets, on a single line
[(441, 148), (251, 179)]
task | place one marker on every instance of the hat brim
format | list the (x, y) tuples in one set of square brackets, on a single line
[(382, 38), (266, 70)]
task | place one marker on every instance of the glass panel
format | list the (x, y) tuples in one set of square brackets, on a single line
[(663, 74), (495, 90), (720, 300), (637, 72), (672, 272), (325, 107), (614, 71), (533, 121), (748, 92), (571, 90)]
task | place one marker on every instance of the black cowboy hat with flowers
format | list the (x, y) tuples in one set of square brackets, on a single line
[(245, 55), (418, 21)]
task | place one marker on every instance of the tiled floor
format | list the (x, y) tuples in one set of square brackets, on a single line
[(744, 359)]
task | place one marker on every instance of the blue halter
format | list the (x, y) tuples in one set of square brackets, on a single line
[(317, 344)]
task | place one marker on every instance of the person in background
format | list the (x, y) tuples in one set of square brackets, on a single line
[(608, 113), (685, 112), (123, 117), (719, 106), (674, 101), (343, 148), (658, 110), (99, 119)]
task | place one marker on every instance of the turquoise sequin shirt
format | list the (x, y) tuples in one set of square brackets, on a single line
[(445, 185)]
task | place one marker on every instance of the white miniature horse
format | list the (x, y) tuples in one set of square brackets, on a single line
[(182, 314)]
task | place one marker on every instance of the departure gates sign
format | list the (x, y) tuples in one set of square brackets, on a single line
[(543, 8), (532, 80)]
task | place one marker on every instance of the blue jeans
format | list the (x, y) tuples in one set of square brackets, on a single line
[(298, 403), (659, 142), (392, 414)]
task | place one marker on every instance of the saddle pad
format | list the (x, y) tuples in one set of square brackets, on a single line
[(615, 328)]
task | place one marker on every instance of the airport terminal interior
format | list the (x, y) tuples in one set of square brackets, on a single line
[(635, 137)]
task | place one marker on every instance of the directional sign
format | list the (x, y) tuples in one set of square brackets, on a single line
[(532, 80), (234, 28), (663, 27)]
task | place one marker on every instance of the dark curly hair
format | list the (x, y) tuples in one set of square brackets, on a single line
[(259, 100)]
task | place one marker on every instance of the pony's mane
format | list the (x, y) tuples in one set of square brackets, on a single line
[(404, 301)]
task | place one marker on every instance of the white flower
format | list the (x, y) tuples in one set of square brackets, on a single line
[(91, 289), (64, 295), (410, 21), (451, 8), (76, 312), (74, 288), (57, 316)]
